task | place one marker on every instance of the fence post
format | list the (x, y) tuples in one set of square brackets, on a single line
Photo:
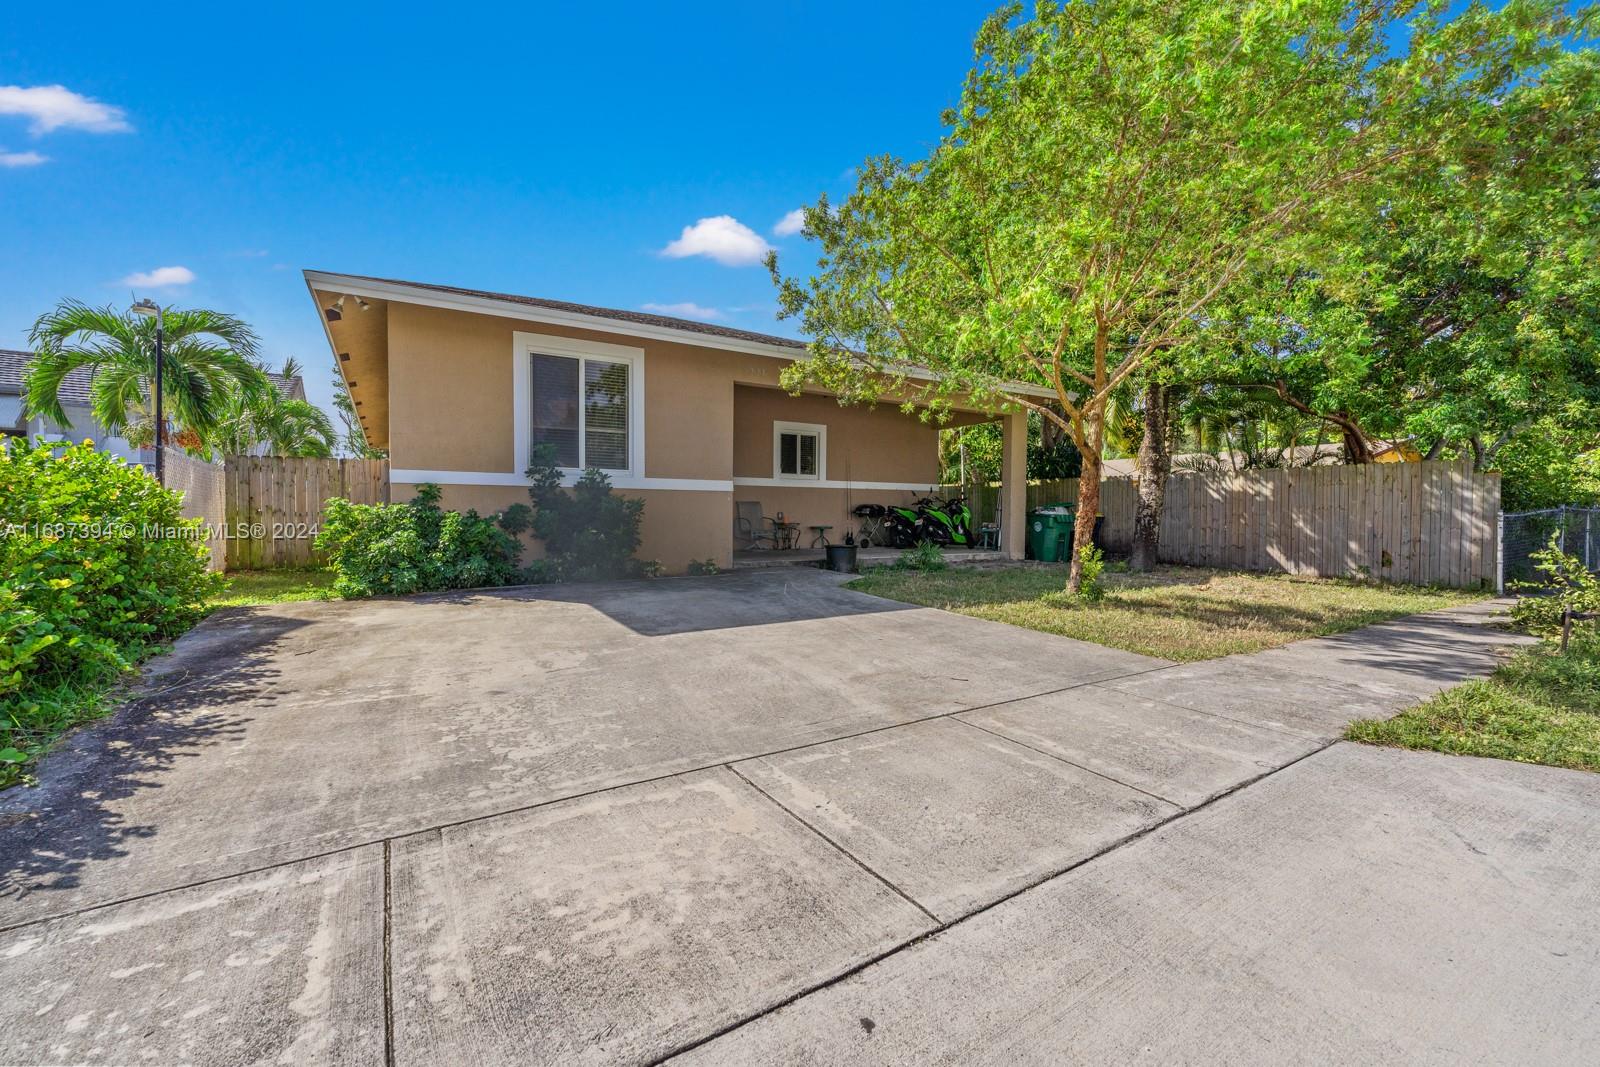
[(1588, 517), (1563, 521), (1500, 554)]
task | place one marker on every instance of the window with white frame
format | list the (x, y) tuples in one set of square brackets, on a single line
[(799, 451), (580, 406)]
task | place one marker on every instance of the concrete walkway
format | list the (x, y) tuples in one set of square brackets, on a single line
[(722, 817)]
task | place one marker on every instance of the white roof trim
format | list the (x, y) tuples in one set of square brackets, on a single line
[(510, 309)]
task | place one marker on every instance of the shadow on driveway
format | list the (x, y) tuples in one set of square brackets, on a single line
[(184, 704), (663, 606)]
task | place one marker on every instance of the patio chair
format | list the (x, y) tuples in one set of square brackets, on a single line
[(751, 529)]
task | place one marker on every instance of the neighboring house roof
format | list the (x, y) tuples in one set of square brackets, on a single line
[(293, 388), (14, 365), (75, 386)]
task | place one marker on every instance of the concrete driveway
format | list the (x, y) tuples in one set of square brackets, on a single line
[(617, 823)]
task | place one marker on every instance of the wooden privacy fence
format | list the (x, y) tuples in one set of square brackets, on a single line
[(1423, 523), (201, 484), (273, 504)]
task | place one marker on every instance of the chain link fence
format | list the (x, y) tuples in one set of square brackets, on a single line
[(1522, 533)]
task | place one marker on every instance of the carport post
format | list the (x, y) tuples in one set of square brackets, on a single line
[(1014, 484)]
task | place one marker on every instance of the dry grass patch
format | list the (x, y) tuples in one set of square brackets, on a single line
[(1177, 613)]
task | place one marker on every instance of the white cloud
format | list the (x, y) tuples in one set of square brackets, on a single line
[(722, 238), (21, 159), (685, 310), (160, 277), (53, 107), (790, 224)]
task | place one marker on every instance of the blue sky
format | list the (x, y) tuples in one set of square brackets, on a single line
[(553, 150)]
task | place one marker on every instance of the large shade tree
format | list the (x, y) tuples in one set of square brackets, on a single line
[(208, 357), (1114, 167), (1468, 307)]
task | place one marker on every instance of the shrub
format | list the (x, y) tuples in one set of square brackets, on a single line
[(377, 549), (1091, 562), (704, 566), (1566, 586), (97, 568), (589, 533), (926, 557)]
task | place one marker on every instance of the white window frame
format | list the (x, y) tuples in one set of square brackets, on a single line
[(524, 347), (819, 431)]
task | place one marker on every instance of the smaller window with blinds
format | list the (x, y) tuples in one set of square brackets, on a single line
[(799, 451)]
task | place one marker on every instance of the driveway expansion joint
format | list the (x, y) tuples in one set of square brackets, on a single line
[(893, 950), (851, 856), (584, 794), (1062, 759), (388, 956)]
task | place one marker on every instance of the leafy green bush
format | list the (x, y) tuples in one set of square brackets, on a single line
[(97, 568), (589, 533), (1566, 585), (1091, 563), (926, 557), (377, 549)]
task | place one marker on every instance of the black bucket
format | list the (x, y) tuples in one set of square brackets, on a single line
[(842, 558)]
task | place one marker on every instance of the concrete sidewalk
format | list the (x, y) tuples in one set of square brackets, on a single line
[(1362, 906), (584, 830)]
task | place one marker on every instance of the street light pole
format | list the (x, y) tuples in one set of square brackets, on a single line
[(147, 308)]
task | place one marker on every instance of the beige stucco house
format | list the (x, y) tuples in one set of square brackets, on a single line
[(459, 386)]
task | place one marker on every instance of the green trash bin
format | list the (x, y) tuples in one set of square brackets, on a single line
[(1049, 532)]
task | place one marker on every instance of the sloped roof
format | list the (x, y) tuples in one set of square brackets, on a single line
[(14, 364), (642, 318)]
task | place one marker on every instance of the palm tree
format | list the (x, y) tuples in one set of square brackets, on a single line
[(208, 358), (287, 426)]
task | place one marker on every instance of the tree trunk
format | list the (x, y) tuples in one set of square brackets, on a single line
[(1356, 449), (1088, 509), (1155, 463)]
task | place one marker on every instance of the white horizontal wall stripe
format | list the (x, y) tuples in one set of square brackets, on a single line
[(618, 481), (796, 483), (622, 481)]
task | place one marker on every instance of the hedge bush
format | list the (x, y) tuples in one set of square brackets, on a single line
[(414, 547), (97, 568), (589, 533)]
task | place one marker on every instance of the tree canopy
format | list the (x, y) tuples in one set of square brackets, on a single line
[(1114, 168), (1468, 302), (207, 356)]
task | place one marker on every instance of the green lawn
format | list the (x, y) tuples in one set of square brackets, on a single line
[(1178, 613), (47, 713), (1541, 707), (275, 587)]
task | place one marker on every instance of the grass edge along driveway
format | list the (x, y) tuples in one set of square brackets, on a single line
[(1540, 707), (1176, 613)]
